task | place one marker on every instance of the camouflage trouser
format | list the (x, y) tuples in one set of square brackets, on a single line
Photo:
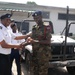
[(40, 64), (39, 68)]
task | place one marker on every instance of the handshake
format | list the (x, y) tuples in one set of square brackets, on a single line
[(28, 41)]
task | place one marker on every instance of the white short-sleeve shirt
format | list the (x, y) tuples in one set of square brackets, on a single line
[(5, 35), (1, 36)]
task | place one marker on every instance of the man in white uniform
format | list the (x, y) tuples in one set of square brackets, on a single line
[(5, 44)]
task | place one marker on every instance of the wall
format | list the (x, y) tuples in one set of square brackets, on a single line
[(57, 24)]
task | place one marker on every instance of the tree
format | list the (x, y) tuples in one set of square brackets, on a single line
[(32, 3)]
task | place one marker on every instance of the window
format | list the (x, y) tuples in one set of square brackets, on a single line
[(23, 27), (62, 16)]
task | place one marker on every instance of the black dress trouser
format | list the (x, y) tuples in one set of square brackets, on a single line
[(4, 64), (15, 55)]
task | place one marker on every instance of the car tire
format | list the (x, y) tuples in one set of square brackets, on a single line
[(71, 70)]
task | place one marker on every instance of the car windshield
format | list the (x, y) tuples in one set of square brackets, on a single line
[(70, 29)]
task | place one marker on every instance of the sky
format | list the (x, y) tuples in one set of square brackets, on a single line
[(57, 3)]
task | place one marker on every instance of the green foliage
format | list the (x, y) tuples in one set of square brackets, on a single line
[(33, 3)]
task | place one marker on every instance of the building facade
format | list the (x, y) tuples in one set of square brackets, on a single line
[(22, 13)]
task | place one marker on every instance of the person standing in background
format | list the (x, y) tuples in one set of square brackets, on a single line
[(14, 51), (9, 27)]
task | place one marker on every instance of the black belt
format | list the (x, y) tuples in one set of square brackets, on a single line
[(3, 55)]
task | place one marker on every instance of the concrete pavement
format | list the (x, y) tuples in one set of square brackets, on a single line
[(59, 71), (14, 69)]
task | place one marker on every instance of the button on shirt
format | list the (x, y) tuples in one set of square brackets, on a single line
[(5, 35)]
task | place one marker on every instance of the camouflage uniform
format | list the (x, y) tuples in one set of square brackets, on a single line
[(41, 52)]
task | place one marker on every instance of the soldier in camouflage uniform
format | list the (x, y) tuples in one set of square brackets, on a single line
[(41, 38)]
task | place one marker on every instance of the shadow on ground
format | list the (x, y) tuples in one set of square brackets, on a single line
[(51, 71), (57, 71)]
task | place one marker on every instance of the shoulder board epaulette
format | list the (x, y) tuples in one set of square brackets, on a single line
[(0, 27), (46, 23)]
